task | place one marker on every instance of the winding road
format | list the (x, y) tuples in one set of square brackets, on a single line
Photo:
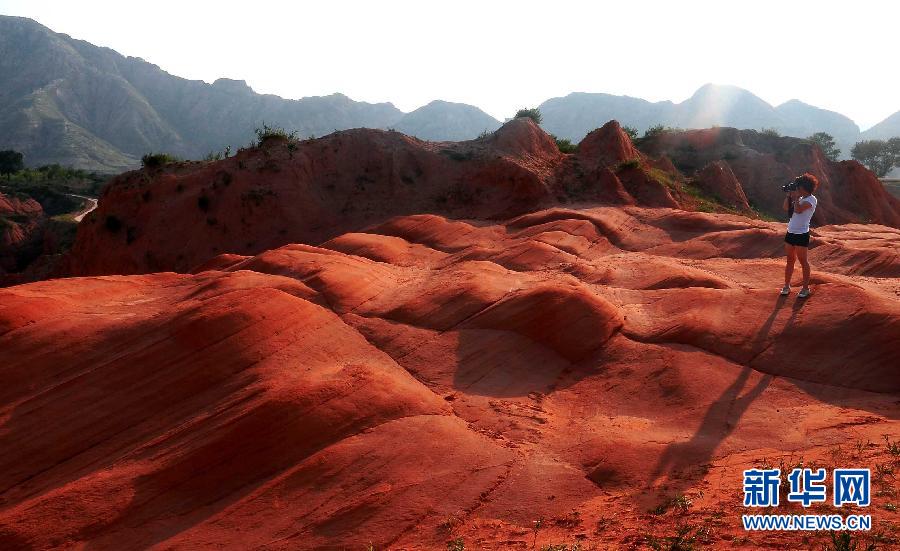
[(91, 205)]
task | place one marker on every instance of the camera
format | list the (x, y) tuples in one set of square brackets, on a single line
[(791, 186)]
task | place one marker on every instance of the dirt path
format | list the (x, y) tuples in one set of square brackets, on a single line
[(92, 204)]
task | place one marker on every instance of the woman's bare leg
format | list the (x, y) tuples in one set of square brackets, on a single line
[(789, 267), (804, 263)]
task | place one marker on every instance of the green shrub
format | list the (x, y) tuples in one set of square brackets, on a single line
[(771, 132), (534, 114), (157, 160), (276, 133), (663, 178), (843, 541), (458, 155), (631, 132), (656, 130), (630, 164), (564, 145)]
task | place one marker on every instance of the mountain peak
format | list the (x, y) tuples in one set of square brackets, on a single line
[(232, 85), (792, 102), (723, 92), (442, 120)]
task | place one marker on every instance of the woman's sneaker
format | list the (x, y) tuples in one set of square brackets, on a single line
[(804, 292), (786, 290)]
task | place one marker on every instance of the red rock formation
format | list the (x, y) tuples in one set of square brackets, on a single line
[(433, 379), (182, 215), (717, 179), (282, 192), (608, 145), (21, 225), (762, 164)]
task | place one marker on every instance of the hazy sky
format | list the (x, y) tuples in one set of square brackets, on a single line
[(502, 55)]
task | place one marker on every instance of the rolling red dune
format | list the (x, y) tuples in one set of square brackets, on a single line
[(545, 379)]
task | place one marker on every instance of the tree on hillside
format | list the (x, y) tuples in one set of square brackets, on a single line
[(825, 141), (894, 148), (656, 130), (631, 131), (534, 114), (564, 145), (10, 162), (879, 156)]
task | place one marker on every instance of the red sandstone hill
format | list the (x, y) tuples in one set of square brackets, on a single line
[(556, 377), (761, 163), (178, 216), (21, 225)]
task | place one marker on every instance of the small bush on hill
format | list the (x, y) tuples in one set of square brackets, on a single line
[(458, 155), (771, 132), (267, 133), (157, 160), (631, 132), (630, 164), (534, 114), (656, 130), (564, 145)]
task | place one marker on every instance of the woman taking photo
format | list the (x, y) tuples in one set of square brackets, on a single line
[(802, 204)]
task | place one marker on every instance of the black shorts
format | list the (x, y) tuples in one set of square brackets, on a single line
[(797, 239)]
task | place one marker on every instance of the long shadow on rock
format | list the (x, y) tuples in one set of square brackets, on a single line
[(719, 421)]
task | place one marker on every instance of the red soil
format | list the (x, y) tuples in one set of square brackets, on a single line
[(21, 225), (431, 379)]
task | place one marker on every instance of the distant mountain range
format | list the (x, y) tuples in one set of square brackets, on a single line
[(67, 101), (575, 115)]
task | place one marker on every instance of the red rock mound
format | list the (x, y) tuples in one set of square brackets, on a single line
[(608, 145), (21, 232), (179, 216), (432, 379), (718, 179)]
